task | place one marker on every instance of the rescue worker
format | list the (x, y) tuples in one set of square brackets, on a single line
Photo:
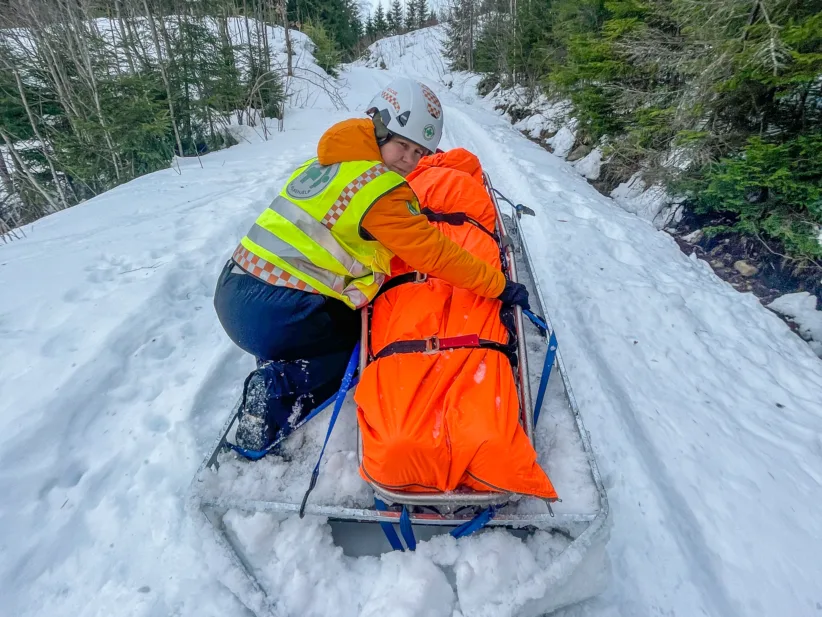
[(322, 249)]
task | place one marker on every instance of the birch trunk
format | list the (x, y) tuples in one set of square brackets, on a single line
[(164, 75), (43, 143), (289, 52), (5, 176), (124, 37), (18, 162)]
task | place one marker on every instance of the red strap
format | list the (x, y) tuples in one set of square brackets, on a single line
[(464, 340)]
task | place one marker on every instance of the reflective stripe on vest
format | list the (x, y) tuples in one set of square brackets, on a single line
[(311, 231), (268, 272)]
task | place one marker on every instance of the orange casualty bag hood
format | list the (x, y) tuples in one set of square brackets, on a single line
[(448, 419)]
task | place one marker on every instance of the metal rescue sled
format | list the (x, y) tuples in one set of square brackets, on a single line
[(226, 481)]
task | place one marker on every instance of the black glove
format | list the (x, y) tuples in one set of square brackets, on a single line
[(516, 294)]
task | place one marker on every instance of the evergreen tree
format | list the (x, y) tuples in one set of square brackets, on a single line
[(395, 19), (339, 18), (421, 11), (370, 31), (412, 22), (380, 24), (732, 87), (460, 29), (325, 48)]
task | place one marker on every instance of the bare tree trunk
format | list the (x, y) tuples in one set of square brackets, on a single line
[(470, 35), (251, 61), (164, 74), (5, 176), (83, 61), (57, 76), (288, 50), (183, 63), (124, 37), (263, 21), (265, 61), (43, 143), (18, 162), (136, 40)]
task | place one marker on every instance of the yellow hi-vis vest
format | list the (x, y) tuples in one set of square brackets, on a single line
[(309, 237)]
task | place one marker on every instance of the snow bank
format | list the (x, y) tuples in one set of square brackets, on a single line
[(419, 51), (563, 141), (590, 165), (651, 203), (801, 309)]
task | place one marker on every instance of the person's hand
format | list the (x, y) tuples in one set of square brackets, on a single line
[(515, 294)]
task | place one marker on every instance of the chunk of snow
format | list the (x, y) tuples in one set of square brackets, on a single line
[(645, 201), (679, 158), (534, 125), (563, 142), (590, 165), (800, 307)]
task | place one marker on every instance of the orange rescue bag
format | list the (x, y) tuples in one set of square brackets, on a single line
[(439, 421)]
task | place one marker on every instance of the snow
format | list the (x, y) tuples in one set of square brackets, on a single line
[(479, 374), (115, 376), (590, 165), (651, 203), (801, 308), (563, 141), (535, 125)]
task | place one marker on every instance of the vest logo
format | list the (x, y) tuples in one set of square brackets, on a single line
[(413, 207), (428, 132), (312, 181)]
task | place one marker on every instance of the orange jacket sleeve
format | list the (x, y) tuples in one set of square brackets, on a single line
[(421, 245)]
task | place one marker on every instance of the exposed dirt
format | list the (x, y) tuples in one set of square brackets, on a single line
[(774, 275)]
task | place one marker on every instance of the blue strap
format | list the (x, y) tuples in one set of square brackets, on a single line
[(538, 321), (348, 377), (475, 524), (282, 434), (407, 531), (550, 356), (388, 528), (251, 455)]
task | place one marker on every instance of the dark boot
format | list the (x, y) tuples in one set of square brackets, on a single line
[(253, 430), (278, 395)]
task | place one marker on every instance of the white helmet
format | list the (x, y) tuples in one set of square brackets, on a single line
[(409, 109)]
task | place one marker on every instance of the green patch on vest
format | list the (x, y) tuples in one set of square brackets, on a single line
[(413, 206), (312, 181)]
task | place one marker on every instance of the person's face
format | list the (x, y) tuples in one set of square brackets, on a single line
[(401, 155)]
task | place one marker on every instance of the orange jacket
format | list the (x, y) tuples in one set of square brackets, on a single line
[(390, 222)]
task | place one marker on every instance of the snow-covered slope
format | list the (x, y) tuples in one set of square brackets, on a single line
[(704, 409)]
